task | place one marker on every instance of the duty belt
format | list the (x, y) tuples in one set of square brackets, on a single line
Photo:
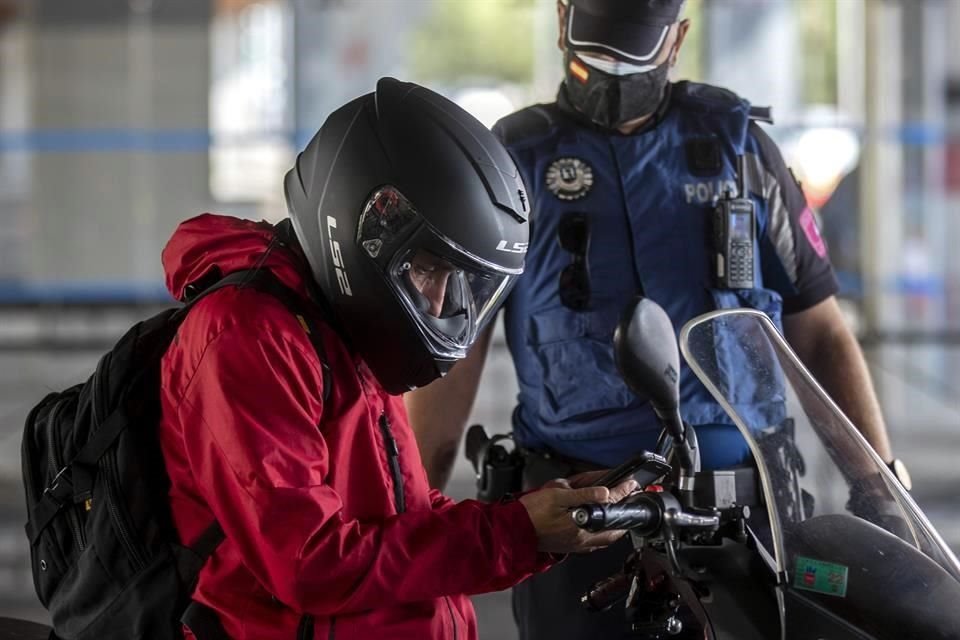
[(720, 487), (539, 467)]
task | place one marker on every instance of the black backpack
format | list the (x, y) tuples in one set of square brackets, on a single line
[(105, 557)]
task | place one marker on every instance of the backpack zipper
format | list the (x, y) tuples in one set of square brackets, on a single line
[(393, 459), (108, 464), (120, 521)]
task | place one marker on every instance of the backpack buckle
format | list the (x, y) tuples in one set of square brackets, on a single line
[(53, 489), (195, 288), (51, 502), (81, 490)]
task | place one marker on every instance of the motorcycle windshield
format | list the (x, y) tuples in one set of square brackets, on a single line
[(848, 542)]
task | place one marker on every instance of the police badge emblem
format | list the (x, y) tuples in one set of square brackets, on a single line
[(569, 178)]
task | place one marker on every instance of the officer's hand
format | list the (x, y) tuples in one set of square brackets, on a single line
[(549, 511), (589, 479)]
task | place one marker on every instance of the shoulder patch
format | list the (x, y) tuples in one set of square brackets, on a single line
[(526, 124)]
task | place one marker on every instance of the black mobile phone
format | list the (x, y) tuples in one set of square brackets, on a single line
[(645, 467)]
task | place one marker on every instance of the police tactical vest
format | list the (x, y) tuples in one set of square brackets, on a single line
[(647, 198)]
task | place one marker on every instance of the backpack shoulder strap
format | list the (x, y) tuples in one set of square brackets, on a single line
[(200, 619), (265, 281)]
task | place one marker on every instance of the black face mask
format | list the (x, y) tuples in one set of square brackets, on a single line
[(609, 100)]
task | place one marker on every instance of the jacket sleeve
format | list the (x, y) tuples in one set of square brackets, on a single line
[(250, 414), (503, 581), (439, 501)]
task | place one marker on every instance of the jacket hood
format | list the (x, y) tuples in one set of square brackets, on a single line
[(211, 242)]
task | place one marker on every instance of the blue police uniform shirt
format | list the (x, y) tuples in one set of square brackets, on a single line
[(647, 201)]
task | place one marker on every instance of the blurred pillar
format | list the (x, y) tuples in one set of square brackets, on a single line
[(251, 105), (882, 166), (851, 60), (547, 58), (931, 35), (14, 116), (752, 48), (923, 244), (140, 99), (106, 77), (342, 48), (952, 168)]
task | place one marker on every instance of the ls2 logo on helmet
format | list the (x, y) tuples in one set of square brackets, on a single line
[(516, 247), (569, 178), (337, 258)]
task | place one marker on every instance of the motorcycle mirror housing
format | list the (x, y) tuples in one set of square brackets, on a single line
[(648, 359), (645, 347)]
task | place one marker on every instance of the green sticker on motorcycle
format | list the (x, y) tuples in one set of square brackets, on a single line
[(819, 576)]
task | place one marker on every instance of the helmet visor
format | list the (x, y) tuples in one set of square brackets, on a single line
[(449, 293)]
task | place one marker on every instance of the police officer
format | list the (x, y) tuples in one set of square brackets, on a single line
[(622, 171)]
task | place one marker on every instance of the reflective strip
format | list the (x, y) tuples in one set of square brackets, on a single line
[(602, 45), (614, 67), (779, 230)]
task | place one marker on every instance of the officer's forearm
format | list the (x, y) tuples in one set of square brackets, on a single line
[(830, 350), (842, 371), (439, 412)]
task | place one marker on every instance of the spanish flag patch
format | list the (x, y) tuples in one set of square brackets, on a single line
[(579, 71)]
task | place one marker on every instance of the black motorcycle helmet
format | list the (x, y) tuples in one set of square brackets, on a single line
[(413, 218)]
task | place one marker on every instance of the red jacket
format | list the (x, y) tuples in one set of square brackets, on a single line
[(303, 489)]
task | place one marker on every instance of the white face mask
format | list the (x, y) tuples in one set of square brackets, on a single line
[(615, 67)]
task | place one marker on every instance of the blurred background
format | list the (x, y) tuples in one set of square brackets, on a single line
[(121, 118)]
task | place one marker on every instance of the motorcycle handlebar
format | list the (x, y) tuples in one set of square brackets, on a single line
[(604, 517)]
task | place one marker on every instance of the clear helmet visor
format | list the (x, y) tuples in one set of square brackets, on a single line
[(449, 293)]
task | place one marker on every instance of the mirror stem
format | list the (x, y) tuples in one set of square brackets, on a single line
[(684, 439)]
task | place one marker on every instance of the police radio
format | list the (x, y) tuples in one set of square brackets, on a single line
[(734, 232)]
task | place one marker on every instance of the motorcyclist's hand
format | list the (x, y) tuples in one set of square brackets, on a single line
[(549, 511), (589, 479)]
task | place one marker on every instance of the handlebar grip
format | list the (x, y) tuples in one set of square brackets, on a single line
[(604, 517)]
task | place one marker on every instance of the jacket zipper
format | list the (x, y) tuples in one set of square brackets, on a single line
[(393, 458), (305, 628), (56, 464), (109, 464), (453, 618)]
